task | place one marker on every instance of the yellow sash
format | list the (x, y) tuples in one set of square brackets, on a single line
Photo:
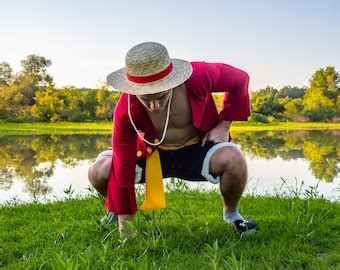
[(155, 195)]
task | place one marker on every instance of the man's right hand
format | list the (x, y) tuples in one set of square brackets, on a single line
[(123, 229)]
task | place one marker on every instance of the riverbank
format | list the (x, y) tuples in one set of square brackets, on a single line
[(190, 234), (106, 127)]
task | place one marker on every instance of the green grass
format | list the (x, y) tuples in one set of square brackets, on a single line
[(106, 127), (250, 126), (190, 234), (55, 128)]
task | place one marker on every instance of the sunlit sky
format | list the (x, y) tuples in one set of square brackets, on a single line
[(277, 42)]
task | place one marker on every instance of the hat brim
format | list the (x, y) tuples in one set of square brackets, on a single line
[(181, 71)]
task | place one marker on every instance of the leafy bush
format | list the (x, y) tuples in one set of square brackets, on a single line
[(16, 119), (257, 117)]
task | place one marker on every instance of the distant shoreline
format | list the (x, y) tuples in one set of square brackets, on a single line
[(69, 128)]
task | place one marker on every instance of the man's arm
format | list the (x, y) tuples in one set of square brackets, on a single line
[(124, 162), (234, 83), (236, 106), (121, 197)]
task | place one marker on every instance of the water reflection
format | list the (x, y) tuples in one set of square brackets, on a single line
[(33, 159), (319, 148)]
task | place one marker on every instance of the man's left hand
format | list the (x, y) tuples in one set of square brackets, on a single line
[(218, 134)]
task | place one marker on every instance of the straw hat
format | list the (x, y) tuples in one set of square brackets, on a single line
[(149, 70)]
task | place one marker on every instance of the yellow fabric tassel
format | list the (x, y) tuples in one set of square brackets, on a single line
[(155, 195)]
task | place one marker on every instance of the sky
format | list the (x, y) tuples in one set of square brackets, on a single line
[(277, 42)]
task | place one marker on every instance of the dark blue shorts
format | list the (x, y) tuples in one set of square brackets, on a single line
[(185, 163)]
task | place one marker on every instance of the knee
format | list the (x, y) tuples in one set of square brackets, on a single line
[(235, 161), (93, 175), (98, 172), (231, 160)]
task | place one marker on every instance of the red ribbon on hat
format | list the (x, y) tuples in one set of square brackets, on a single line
[(151, 78)]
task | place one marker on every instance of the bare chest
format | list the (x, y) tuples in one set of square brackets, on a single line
[(180, 127)]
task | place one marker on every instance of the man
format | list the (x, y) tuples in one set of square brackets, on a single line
[(166, 125)]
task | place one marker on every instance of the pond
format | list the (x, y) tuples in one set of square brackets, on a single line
[(297, 162)]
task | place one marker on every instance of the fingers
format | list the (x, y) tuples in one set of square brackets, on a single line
[(124, 229), (123, 218), (215, 138)]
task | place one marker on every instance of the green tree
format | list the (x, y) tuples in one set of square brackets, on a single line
[(106, 103), (6, 74), (292, 109), (18, 92), (321, 101), (103, 109), (36, 66), (291, 92), (48, 106), (264, 101), (34, 77), (13, 103), (89, 102), (73, 110)]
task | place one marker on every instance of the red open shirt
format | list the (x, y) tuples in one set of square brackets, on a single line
[(205, 79)]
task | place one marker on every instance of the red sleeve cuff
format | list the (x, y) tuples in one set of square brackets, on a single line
[(121, 201)]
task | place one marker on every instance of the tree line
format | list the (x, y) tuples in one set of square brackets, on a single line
[(31, 95), (318, 102)]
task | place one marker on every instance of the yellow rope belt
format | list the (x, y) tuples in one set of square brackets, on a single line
[(155, 196)]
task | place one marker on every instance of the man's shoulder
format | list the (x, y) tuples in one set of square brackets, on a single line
[(121, 108), (199, 66), (200, 75), (121, 105), (202, 69)]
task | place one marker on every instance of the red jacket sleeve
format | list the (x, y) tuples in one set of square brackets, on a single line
[(121, 197), (234, 82)]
